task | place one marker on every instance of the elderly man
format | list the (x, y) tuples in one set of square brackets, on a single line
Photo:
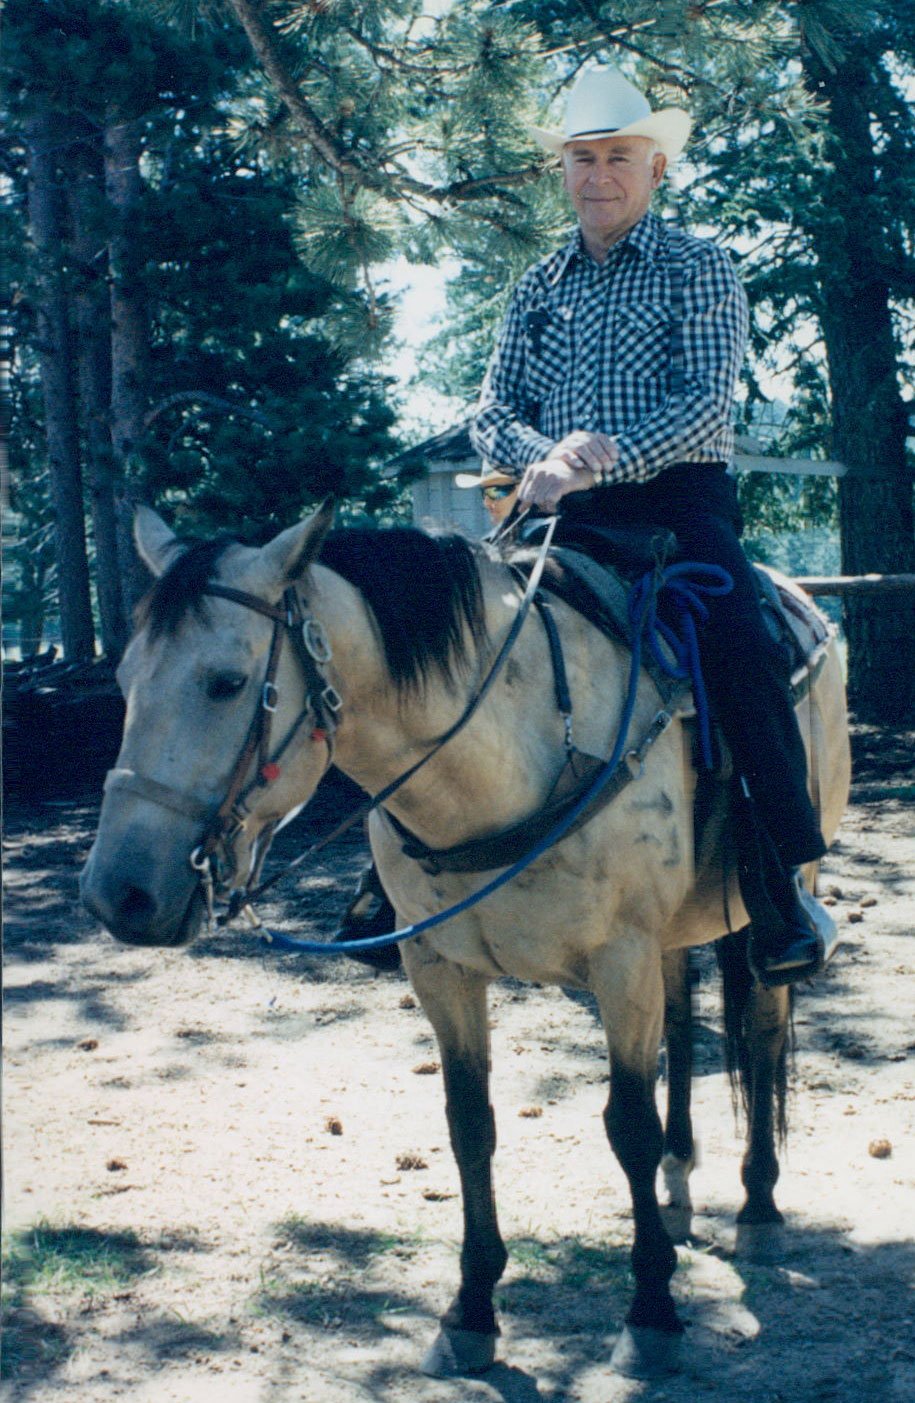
[(609, 395)]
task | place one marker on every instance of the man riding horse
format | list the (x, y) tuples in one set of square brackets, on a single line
[(609, 396)]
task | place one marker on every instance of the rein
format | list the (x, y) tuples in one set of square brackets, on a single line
[(324, 704)]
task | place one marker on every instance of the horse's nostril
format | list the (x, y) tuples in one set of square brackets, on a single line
[(137, 906)]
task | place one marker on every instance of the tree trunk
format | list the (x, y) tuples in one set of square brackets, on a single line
[(869, 415), (129, 337), (46, 220), (93, 323)]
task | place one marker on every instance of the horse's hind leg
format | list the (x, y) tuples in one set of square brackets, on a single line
[(679, 1152), (454, 1000), (629, 986), (756, 1033)]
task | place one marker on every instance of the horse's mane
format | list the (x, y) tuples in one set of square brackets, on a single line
[(179, 589), (422, 591)]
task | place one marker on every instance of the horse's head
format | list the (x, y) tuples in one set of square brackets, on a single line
[(220, 739)]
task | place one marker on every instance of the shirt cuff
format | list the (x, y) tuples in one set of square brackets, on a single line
[(629, 467), (532, 447)]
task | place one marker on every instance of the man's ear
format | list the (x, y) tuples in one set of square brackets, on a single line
[(658, 167), (284, 559), (156, 543)]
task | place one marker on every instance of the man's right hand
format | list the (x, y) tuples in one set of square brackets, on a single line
[(582, 449)]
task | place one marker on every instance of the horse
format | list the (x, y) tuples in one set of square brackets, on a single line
[(400, 628)]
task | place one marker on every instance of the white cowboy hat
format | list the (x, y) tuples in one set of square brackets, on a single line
[(488, 476), (604, 103)]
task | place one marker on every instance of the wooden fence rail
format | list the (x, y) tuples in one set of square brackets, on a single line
[(854, 584)]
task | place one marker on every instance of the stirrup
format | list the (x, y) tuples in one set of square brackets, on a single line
[(815, 939)]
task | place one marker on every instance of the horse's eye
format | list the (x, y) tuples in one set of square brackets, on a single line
[(225, 685)]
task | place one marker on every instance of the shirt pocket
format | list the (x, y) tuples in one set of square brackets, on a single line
[(641, 340), (548, 350)]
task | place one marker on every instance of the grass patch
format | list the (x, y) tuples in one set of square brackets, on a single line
[(47, 1260)]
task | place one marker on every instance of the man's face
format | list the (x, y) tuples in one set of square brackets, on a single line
[(609, 181)]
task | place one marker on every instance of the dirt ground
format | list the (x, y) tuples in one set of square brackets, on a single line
[(228, 1175)]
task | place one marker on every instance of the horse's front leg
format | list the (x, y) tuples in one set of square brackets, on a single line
[(630, 991), (454, 1000), (679, 1149)]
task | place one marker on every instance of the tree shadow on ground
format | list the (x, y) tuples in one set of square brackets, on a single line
[(800, 1328), (68, 1266)]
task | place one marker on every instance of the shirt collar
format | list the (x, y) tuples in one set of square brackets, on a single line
[(643, 239)]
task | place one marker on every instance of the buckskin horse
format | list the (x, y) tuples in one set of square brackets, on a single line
[(400, 627)]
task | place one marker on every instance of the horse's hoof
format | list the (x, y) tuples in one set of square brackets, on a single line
[(678, 1221), (765, 1243), (458, 1352), (643, 1353)]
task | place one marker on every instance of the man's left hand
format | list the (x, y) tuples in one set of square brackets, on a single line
[(546, 482)]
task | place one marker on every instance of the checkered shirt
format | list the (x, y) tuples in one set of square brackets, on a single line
[(592, 346)]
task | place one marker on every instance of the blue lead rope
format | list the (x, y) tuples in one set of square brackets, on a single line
[(686, 584)]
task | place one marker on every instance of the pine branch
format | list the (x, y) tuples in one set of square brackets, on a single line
[(394, 183), (201, 397)]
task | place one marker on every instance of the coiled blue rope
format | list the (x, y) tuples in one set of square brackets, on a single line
[(687, 583), (671, 613)]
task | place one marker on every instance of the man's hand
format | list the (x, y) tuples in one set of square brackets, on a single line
[(585, 450), (544, 483)]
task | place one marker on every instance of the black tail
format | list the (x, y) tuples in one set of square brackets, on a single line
[(743, 1000)]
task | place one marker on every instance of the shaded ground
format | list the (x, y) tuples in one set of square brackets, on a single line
[(228, 1174)]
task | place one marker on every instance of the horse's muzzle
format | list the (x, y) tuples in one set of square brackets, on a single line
[(133, 914)]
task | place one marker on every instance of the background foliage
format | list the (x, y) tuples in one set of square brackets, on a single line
[(288, 150)]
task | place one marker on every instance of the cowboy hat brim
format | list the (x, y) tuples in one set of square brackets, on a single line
[(491, 478), (670, 128)]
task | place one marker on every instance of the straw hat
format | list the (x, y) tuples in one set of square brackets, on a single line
[(604, 103), (488, 476)]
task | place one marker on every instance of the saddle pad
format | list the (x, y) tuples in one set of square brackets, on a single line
[(791, 617)]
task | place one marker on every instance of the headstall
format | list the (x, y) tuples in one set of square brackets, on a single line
[(322, 707)]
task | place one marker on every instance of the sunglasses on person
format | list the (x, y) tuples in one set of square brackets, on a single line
[(498, 491)]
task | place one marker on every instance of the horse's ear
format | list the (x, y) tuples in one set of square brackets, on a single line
[(290, 553), (155, 541)]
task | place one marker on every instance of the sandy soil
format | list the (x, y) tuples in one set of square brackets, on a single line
[(228, 1175)]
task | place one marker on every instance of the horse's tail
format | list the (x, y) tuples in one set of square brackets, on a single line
[(742, 999)]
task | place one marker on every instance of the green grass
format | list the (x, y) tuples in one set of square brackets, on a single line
[(45, 1262), (48, 1260)]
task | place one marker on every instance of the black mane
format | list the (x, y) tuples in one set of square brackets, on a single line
[(422, 591), (179, 590)]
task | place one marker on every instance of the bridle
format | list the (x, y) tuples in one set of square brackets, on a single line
[(323, 705), (213, 855)]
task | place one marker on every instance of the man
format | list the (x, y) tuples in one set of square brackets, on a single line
[(609, 395)]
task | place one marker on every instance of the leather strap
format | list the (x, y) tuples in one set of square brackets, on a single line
[(162, 794)]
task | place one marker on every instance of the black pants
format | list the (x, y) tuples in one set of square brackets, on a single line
[(747, 682)]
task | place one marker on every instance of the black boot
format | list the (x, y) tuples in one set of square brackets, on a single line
[(791, 934), (370, 913), (806, 939)]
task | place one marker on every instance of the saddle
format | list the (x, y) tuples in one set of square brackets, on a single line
[(592, 568)]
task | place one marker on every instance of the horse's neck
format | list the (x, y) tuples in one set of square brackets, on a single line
[(497, 768)]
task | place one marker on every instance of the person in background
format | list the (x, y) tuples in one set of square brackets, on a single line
[(499, 490)]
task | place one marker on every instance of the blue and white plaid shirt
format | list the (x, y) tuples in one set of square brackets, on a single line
[(588, 346)]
